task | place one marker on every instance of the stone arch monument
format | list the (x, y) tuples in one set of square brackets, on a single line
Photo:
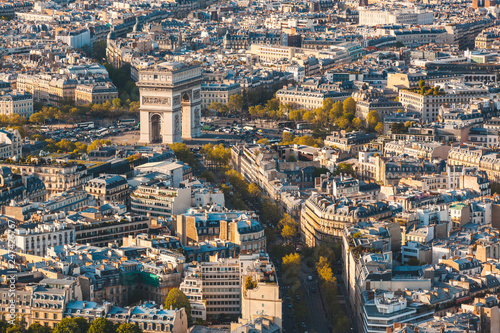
[(170, 102)]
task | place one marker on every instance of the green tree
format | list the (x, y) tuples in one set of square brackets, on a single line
[(349, 105), (98, 143), (357, 123), (99, 50), (344, 168), (68, 325), (4, 326), (38, 118), (287, 138), (82, 323), (273, 104), (250, 283), (413, 262), (19, 326), (289, 227), (217, 154), (235, 103), (325, 270), (292, 261), (208, 175), (177, 300), (254, 190), (344, 123), (101, 325), (271, 214), (184, 154), (421, 84), (398, 128), (263, 141), (128, 328), (372, 119), (342, 324), (336, 111)]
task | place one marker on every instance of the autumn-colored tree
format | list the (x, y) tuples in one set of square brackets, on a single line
[(336, 111), (379, 128), (183, 153), (349, 105), (292, 261), (324, 270), (372, 119), (98, 143), (357, 123), (254, 190)]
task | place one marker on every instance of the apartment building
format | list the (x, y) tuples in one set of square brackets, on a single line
[(16, 102), (95, 93), (428, 105), (10, 143), (73, 37), (272, 52), (47, 88), (370, 16), (91, 228), (269, 169), (157, 198), (480, 158), (238, 227), (306, 98), (263, 299), (35, 239), (351, 142), (17, 188), (57, 176), (213, 288), (417, 150), (217, 93), (323, 218), (108, 188)]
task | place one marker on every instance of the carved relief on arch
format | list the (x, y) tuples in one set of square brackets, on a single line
[(186, 96), (176, 100)]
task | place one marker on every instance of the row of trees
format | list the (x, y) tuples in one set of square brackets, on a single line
[(217, 154), (307, 140), (71, 325), (71, 113)]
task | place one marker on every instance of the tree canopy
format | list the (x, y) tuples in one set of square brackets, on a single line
[(176, 299)]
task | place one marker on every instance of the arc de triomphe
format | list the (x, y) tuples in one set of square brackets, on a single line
[(170, 102)]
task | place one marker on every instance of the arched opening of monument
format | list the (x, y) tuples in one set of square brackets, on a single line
[(156, 129), (185, 98)]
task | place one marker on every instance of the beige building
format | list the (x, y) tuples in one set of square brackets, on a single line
[(95, 93), (306, 98), (417, 150), (108, 188), (272, 53), (323, 218), (57, 177), (238, 227), (47, 88), (10, 143), (16, 102), (428, 105), (217, 93), (36, 240), (480, 158), (263, 299)]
